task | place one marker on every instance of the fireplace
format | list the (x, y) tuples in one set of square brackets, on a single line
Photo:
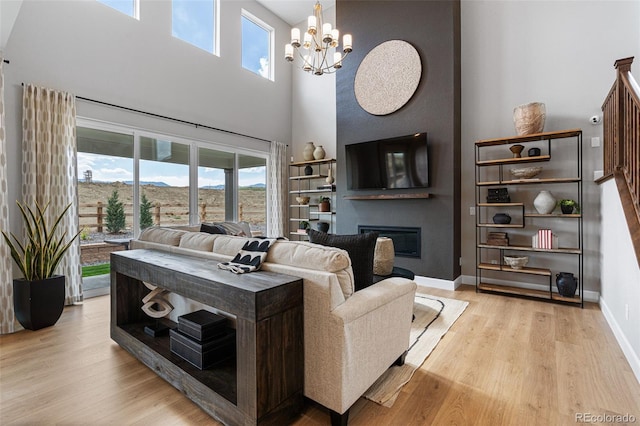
[(406, 240)]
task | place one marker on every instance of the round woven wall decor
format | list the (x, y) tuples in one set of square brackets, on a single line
[(388, 77)]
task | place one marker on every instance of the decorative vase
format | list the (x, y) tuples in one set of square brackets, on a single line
[(534, 152), (516, 149), (566, 284), (529, 118), (383, 256), (308, 171), (324, 206), (330, 178), (307, 152), (38, 304), (319, 153), (501, 218), (544, 202), (322, 226)]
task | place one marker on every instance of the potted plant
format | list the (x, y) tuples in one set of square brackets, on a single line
[(568, 206), (303, 226), (324, 204), (38, 297)]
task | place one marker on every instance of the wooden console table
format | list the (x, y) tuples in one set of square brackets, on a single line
[(264, 383)]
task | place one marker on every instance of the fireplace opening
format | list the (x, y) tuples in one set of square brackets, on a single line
[(406, 240)]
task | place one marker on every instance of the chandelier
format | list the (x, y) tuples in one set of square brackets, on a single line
[(318, 43)]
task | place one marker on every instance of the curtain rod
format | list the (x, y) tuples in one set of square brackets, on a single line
[(164, 117)]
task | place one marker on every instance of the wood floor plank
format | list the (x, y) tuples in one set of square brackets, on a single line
[(505, 361)]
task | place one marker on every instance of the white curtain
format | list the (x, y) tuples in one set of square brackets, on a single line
[(7, 317), (278, 191), (49, 168)]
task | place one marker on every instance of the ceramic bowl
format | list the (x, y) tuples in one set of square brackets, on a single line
[(516, 262), (526, 172), (302, 200)]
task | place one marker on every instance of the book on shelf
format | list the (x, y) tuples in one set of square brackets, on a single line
[(497, 239), (544, 239)]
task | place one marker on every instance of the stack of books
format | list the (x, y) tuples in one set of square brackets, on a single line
[(544, 239), (327, 187), (498, 195), (497, 239)]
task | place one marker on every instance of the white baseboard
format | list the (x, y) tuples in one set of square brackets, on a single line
[(589, 296), (627, 349)]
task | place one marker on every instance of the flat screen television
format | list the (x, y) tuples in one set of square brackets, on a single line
[(395, 163)]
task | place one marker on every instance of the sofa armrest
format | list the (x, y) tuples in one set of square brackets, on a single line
[(364, 301)]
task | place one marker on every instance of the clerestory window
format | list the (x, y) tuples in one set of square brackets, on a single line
[(195, 21), (128, 7), (257, 45)]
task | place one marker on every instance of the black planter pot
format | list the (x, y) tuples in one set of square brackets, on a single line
[(566, 209), (38, 304), (501, 218)]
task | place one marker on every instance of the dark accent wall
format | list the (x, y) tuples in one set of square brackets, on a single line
[(433, 28)]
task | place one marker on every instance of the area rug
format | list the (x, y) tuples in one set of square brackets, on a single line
[(434, 316)]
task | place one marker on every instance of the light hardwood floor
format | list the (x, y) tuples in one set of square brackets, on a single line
[(505, 361)]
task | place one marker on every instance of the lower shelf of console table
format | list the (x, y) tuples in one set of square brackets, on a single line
[(263, 384)]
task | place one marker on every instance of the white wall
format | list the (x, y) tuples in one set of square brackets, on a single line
[(620, 288), (557, 52), (94, 51)]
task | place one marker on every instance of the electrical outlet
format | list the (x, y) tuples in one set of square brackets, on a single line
[(595, 142), (626, 311), (472, 211)]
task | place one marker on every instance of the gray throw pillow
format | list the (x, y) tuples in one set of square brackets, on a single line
[(210, 228), (361, 248)]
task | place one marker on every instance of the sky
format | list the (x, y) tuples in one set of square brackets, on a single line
[(117, 169)]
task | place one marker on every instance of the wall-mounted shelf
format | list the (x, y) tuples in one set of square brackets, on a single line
[(420, 195), (314, 185)]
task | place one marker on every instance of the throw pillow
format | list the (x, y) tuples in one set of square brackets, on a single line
[(250, 256), (210, 228), (360, 247)]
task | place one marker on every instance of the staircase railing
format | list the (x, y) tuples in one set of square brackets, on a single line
[(621, 110)]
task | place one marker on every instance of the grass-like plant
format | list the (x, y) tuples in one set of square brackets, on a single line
[(39, 256)]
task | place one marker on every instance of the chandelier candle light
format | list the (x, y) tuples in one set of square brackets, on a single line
[(317, 45)]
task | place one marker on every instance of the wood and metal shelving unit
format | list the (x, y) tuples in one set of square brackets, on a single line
[(563, 175)]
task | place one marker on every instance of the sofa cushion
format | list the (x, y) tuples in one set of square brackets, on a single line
[(197, 241), (361, 248), (156, 234)]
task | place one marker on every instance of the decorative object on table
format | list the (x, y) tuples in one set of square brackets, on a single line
[(497, 239), (568, 206), (544, 202), (319, 43), (498, 195), (319, 153), (525, 172), (324, 205), (516, 262), (307, 152), (501, 218), (38, 297), (383, 256), (534, 152), (202, 338), (156, 305), (330, 179), (544, 239), (566, 284), (387, 77), (322, 226), (516, 150), (308, 170), (303, 200), (529, 118)]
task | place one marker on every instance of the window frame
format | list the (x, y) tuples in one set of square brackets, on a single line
[(271, 32)]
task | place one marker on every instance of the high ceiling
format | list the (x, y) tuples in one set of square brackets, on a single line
[(294, 11)]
